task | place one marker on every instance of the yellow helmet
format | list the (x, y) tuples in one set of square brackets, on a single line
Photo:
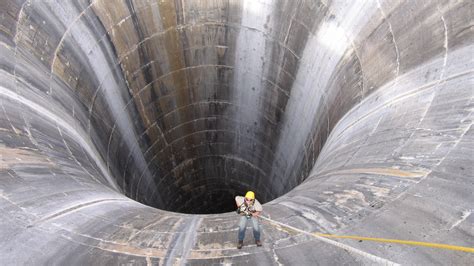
[(250, 195)]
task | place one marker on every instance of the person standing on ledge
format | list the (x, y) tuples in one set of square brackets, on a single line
[(249, 208)]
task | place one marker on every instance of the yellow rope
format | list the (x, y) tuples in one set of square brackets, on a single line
[(385, 240), (405, 242)]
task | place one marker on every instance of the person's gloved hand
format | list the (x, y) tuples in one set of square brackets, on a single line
[(242, 210)]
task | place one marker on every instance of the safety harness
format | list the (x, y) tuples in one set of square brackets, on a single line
[(247, 210)]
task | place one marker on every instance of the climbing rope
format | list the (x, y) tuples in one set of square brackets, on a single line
[(322, 236), (348, 248)]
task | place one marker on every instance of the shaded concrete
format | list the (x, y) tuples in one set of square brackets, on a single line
[(119, 117)]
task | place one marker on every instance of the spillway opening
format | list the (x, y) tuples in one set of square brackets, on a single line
[(217, 104), (186, 106)]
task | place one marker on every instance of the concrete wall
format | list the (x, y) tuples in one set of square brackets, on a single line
[(346, 117)]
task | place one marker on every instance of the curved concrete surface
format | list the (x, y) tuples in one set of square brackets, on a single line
[(345, 117)]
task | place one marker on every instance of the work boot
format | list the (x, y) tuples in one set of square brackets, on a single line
[(241, 244), (259, 244)]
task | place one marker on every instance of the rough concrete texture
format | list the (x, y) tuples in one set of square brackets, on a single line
[(345, 117)]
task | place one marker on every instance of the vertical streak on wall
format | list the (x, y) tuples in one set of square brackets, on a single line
[(323, 52), (174, 51), (249, 71), (102, 62)]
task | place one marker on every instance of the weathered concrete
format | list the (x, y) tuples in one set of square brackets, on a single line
[(346, 117)]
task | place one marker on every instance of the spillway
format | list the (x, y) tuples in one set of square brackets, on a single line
[(128, 127)]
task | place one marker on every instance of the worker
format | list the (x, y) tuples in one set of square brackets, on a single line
[(249, 208)]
